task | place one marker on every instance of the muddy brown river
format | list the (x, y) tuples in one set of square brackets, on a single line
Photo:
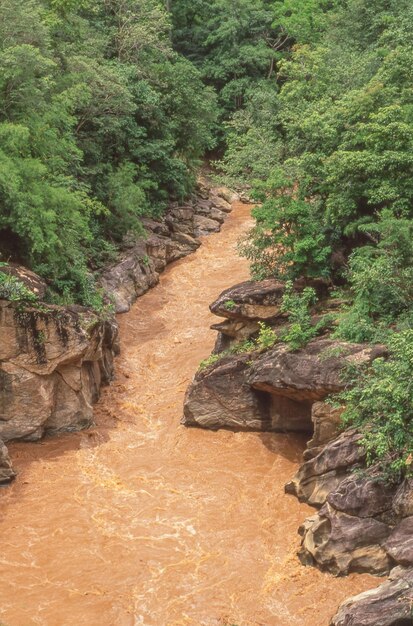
[(140, 522)]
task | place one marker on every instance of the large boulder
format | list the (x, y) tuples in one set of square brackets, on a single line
[(360, 526), (327, 467), (312, 373), (341, 543), (220, 397), (388, 605), (53, 362), (250, 300), (205, 225)]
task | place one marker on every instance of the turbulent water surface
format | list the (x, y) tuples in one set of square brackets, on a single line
[(140, 522)]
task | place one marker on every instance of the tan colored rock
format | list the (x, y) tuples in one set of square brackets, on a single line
[(206, 209), (52, 364), (227, 194), (327, 421), (329, 466), (309, 374), (219, 397), (205, 225), (250, 301)]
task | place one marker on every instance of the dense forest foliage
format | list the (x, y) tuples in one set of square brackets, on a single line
[(328, 149), (101, 122), (107, 108)]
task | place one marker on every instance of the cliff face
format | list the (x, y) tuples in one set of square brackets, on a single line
[(53, 362), (362, 524), (168, 239)]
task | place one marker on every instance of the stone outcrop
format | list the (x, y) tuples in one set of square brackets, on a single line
[(168, 239), (278, 390), (326, 467), (220, 397), (364, 524), (53, 362), (310, 374), (247, 304), (243, 307), (388, 605), (250, 300)]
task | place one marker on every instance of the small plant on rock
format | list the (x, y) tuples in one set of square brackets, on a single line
[(13, 289), (267, 337), (230, 305), (211, 360)]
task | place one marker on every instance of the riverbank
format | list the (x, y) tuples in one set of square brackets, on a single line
[(141, 521)]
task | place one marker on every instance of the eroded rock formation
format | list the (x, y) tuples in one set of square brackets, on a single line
[(53, 362), (168, 239), (274, 391), (363, 524), (388, 605)]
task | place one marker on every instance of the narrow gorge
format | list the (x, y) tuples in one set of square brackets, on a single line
[(142, 521), (206, 312)]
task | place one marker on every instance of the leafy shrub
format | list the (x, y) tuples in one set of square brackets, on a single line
[(211, 360), (267, 337), (297, 307), (381, 282), (265, 340), (14, 290), (379, 403)]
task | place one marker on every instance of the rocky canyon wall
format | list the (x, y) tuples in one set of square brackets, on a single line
[(54, 360), (362, 523)]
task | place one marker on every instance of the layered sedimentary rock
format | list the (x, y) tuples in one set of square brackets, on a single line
[(274, 391), (245, 305), (389, 605), (53, 362), (364, 524), (221, 397), (168, 239)]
